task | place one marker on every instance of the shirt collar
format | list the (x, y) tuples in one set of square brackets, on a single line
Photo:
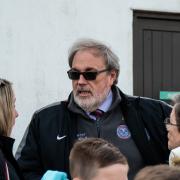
[(107, 102)]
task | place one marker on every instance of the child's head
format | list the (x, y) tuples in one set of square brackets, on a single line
[(96, 159), (158, 172)]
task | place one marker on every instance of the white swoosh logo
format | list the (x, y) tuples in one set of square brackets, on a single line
[(60, 137)]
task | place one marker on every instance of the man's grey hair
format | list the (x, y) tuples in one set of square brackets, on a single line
[(111, 59)]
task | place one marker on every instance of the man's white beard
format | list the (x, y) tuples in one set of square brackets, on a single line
[(90, 104)]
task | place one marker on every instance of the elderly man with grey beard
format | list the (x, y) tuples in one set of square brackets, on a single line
[(96, 107)]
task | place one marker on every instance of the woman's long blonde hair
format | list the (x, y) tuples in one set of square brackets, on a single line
[(6, 107)]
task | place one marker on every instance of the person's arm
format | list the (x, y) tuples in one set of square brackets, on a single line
[(153, 113), (27, 155)]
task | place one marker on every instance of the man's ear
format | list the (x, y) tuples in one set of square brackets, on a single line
[(113, 76)]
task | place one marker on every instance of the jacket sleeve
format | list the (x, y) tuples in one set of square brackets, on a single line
[(154, 113), (27, 155)]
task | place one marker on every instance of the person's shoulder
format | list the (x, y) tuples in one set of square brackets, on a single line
[(53, 107), (145, 101), (49, 107), (153, 101), (49, 112)]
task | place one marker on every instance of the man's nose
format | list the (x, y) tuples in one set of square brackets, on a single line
[(82, 80)]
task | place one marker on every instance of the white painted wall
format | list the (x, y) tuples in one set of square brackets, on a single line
[(35, 36)]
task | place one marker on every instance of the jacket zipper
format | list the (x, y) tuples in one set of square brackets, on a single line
[(98, 126)]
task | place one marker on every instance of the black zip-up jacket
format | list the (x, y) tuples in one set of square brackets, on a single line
[(49, 138), (7, 158)]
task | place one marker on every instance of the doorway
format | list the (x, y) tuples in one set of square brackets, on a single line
[(156, 53)]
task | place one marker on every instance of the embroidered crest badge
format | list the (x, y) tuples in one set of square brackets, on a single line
[(123, 132)]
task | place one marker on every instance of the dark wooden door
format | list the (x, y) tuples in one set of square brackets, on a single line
[(156, 53)]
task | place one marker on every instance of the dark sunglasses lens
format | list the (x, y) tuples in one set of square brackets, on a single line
[(73, 75), (90, 75)]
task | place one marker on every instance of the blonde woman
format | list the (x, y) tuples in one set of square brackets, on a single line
[(9, 169)]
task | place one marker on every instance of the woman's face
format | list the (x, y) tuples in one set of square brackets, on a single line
[(173, 133)]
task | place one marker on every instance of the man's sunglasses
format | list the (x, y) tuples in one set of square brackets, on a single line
[(88, 75)]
